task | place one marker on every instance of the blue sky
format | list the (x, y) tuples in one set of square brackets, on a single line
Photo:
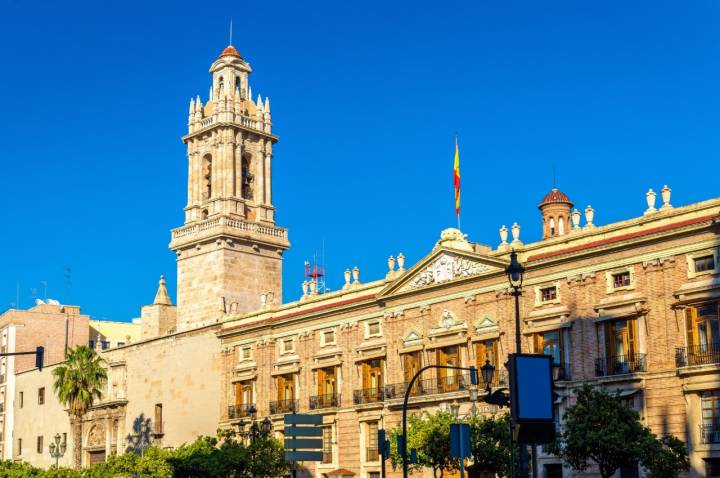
[(617, 96)]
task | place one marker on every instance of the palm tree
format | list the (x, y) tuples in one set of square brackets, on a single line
[(78, 383)]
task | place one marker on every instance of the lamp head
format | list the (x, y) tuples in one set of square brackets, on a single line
[(52, 448), (515, 270), (488, 371), (266, 426), (455, 409)]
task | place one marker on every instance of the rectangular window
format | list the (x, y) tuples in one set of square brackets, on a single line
[(22, 399), (411, 364), (712, 467), (704, 263), (120, 344), (91, 344), (105, 344), (710, 409), (245, 353), (328, 337), (621, 346), (327, 390), (486, 351), (550, 343), (19, 446), (372, 442), (41, 395), (327, 444), (288, 346), (703, 333), (373, 329), (158, 425), (548, 294), (374, 474), (621, 279), (372, 380), (243, 394), (449, 380), (40, 444), (286, 388)]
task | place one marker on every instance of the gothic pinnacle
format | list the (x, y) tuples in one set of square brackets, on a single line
[(259, 102), (267, 105)]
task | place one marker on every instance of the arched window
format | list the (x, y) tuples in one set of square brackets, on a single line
[(561, 226), (204, 213), (221, 84), (238, 83), (246, 178), (207, 177), (552, 226)]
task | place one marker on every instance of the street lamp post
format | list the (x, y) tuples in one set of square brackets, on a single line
[(58, 447), (515, 272)]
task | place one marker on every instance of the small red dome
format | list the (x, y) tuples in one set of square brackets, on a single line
[(230, 51), (555, 196)]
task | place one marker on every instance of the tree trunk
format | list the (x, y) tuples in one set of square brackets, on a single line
[(76, 425)]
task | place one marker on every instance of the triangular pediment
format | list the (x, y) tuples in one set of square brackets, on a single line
[(443, 266)]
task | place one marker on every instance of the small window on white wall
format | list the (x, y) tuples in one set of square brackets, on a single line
[(287, 346), (373, 329), (327, 337)]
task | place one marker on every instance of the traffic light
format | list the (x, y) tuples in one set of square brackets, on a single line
[(39, 357)]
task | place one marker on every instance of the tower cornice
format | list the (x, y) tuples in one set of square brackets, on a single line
[(211, 124)]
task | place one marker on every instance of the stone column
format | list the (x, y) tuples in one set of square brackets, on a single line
[(260, 178), (268, 174), (108, 437)]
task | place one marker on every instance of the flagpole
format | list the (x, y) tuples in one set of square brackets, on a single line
[(457, 187)]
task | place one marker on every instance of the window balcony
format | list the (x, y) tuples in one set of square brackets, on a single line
[(698, 355), (368, 395), (619, 365), (710, 433), (563, 371), (433, 386), (324, 401), (372, 454), (240, 411), (284, 406)]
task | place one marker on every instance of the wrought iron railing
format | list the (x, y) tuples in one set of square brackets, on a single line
[(698, 355), (430, 386), (710, 433), (324, 401), (619, 364), (284, 406), (372, 454), (368, 395), (240, 411)]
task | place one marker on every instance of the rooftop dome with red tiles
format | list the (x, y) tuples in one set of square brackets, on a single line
[(230, 51), (555, 196)]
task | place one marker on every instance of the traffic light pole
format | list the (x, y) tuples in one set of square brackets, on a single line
[(39, 354)]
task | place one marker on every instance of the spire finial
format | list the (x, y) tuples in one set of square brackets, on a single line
[(230, 32), (161, 296), (554, 177)]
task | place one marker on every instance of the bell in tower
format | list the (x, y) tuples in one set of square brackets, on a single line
[(229, 251)]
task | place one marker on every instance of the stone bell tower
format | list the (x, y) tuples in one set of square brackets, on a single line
[(229, 251)]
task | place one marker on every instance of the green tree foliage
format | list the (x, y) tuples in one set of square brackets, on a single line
[(601, 429), (78, 384), (490, 443), (206, 457), (430, 436), (664, 457)]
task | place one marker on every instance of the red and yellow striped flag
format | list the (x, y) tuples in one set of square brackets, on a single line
[(456, 178)]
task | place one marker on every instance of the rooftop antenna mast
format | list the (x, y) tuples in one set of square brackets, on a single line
[(231, 31)]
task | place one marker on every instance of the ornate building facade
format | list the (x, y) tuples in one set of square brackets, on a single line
[(631, 306)]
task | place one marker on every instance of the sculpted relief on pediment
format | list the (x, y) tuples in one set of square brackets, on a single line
[(444, 268)]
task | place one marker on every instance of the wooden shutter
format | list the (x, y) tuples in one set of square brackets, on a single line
[(690, 319)]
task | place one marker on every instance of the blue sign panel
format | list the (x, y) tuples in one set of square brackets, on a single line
[(292, 431), (531, 388), (292, 456), (303, 419), (460, 440)]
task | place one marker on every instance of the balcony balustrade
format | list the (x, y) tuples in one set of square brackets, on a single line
[(704, 354), (368, 395), (284, 406), (619, 365), (240, 411), (324, 401), (710, 433)]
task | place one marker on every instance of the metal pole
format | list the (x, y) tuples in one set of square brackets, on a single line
[(523, 469), (403, 449), (382, 466)]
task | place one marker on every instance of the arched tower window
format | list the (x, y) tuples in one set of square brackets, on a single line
[(207, 177), (246, 178), (221, 85), (552, 226), (238, 83), (561, 226)]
